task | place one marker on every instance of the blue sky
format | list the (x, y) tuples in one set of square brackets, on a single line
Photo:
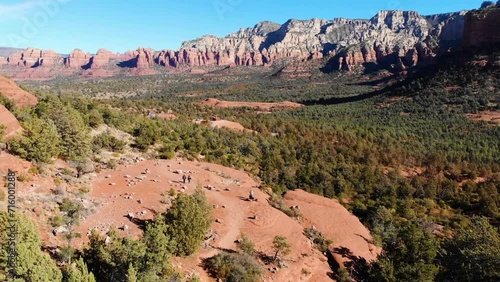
[(120, 25)]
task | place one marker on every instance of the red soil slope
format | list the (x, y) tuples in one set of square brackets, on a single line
[(10, 121), (335, 223), (9, 89)]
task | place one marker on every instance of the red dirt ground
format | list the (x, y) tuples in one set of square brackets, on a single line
[(490, 116), (265, 107), (167, 116), (9, 89), (335, 223), (229, 193)]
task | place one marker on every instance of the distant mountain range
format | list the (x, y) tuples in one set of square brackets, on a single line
[(394, 40)]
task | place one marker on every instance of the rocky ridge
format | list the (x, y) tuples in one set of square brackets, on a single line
[(394, 40)]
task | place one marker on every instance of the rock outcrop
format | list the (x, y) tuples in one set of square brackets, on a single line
[(78, 59), (144, 58), (101, 59), (32, 58), (395, 39), (482, 27)]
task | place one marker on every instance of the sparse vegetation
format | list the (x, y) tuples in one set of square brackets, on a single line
[(281, 246), (317, 238), (353, 150), (246, 245), (234, 267)]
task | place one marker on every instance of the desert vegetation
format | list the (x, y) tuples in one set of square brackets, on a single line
[(351, 149)]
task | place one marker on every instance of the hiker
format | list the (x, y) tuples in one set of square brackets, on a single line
[(184, 178), (189, 178), (251, 197)]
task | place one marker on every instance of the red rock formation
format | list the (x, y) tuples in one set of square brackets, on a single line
[(3, 61), (144, 58), (77, 59), (34, 58), (391, 39), (101, 59)]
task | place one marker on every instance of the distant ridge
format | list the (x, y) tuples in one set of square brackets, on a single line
[(392, 40)]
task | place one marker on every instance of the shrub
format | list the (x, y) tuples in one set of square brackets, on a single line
[(8, 103), (34, 170), (246, 245), (234, 267), (277, 203), (317, 238), (23, 177), (84, 190), (2, 131), (188, 221), (107, 141), (112, 164), (39, 142)]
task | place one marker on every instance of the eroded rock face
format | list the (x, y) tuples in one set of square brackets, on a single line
[(394, 38), (144, 58), (78, 59), (482, 26), (101, 59), (32, 57)]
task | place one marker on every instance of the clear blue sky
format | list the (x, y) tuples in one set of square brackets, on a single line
[(121, 25)]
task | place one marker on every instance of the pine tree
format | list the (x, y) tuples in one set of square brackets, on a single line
[(188, 221), (76, 142), (78, 272), (131, 274), (473, 254), (32, 263), (40, 141), (281, 246)]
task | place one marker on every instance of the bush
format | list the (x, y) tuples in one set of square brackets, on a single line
[(112, 164), (277, 203), (9, 104), (234, 267), (188, 221), (39, 142), (107, 141), (2, 131), (23, 177), (34, 170), (246, 245), (317, 238)]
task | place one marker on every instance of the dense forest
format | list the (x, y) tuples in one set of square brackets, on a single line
[(357, 151)]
